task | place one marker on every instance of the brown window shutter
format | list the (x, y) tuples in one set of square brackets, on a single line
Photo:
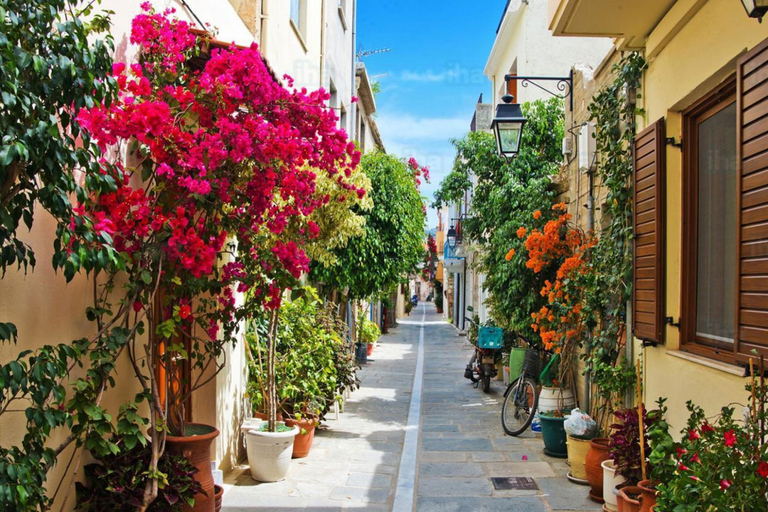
[(512, 87), (648, 223), (752, 207)]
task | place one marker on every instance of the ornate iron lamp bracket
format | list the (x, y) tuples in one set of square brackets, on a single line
[(564, 84)]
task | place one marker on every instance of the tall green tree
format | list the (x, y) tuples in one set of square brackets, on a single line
[(392, 244), (505, 198)]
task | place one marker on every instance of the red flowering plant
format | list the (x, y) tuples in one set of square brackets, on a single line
[(213, 198), (719, 464)]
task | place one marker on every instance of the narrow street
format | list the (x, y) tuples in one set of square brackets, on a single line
[(437, 452)]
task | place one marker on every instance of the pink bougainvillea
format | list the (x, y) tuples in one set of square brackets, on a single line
[(219, 153)]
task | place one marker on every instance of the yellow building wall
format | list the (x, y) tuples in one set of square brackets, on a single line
[(691, 50)]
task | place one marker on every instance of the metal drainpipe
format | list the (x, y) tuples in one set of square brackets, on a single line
[(263, 27), (464, 296), (590, 228)]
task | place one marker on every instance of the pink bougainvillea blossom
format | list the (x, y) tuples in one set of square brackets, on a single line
[(217, 152)]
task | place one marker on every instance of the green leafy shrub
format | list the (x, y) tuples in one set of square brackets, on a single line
[(117, 482), (314, 359), (369, 331)]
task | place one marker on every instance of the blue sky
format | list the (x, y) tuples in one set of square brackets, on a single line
[(434, 74)]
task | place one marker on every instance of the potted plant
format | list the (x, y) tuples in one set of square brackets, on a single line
[(598, 452), (626, 454), (553, 432), (580, 429), (309, 346), (117, 481), (719, 463), (368, 334)]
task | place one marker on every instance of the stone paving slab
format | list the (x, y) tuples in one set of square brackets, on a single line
[(479, 505), (355, 463)]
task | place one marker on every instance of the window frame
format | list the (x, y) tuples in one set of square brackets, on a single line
[(299, 25), (723, 96)]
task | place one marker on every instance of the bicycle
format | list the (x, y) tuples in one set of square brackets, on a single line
[(521, 397), (482, 365)]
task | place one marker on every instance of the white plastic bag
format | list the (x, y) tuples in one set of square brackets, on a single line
[(579, 424)]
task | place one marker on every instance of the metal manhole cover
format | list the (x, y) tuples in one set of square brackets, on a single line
[(516, 483)]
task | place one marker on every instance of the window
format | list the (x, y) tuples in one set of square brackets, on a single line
[(710, 224), (299, 17), (333, 102)]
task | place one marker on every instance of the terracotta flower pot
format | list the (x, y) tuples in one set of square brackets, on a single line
[(196, 447), (369, 350), (629, 498), (264, 416), (648, 499), (303, 442), (598, 452), (217, 497)]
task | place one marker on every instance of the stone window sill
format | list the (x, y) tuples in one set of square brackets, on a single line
[(709, 363)]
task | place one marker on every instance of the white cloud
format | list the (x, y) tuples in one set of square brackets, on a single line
[(429, 76), (406, 127)]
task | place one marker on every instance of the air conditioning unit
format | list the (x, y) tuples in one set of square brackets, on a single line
[(567, 146), (587, 147)]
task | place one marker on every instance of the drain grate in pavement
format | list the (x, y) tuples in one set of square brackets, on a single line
[(516, 483)]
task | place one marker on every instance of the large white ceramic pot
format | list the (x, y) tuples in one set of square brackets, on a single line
[(611, 479), (556, 399), (269, 453)]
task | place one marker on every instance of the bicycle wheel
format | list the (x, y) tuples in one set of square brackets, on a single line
[(519, 406), (486, 381)]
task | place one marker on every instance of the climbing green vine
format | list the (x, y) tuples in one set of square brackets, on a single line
[(607, 283)]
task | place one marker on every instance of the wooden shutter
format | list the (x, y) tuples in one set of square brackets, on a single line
[(512, 87), (648, 222), (752, 207)]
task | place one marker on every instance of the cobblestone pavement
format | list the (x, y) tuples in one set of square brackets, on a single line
[(435, 453)]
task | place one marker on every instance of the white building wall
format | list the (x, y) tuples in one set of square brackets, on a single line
[(339, 58), (525, 39)]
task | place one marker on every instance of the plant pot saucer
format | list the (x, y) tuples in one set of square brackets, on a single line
[(556, 455), (580, 481), (597, 499)]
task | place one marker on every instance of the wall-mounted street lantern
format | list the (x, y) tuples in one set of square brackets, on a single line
[(756, 8), (508, 123), (451, 236)]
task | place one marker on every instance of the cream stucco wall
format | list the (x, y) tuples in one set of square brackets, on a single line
[(48, 311), (691, 50)]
